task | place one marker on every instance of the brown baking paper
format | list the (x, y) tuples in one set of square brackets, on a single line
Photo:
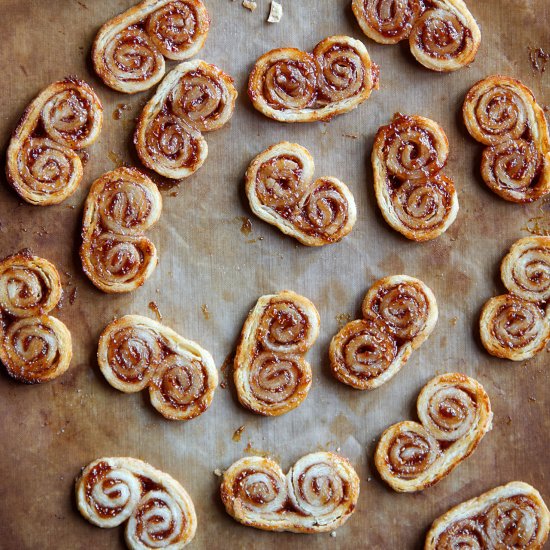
[(212, 271)]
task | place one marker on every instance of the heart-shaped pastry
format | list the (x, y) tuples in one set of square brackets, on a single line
[(318, 494), (414, 196), (455, 413), (282, 192)]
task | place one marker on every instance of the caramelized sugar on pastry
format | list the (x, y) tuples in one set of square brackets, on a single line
[(116, 255), (413, 194), (129, 50), (290, 85), (318, 494), (516, 326), (136, 352), (35, 347), (455, 413), (282, 192), (399, 313), (157, 510), (270, 372), (442, 34), (195, 97), (502, 114), (510, 516), (43, 165)]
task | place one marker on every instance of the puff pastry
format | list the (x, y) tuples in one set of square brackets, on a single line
[(503, 114), (35, 347), (121, 206), (510, 516), (443, 35), (318, 494), (290, 85), (455, 413), (157, 510), (270, 372), (516, 326), (129, 50), (399, 313), (282, 192), (195, 97), (43, 165), (136, 352), (413, 194)]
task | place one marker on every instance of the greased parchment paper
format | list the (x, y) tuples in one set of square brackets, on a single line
[(211, 273)]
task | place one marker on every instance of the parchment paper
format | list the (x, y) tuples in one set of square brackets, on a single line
[(49, 432)]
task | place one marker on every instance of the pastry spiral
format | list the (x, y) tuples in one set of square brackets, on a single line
[(121, 205), (193, 98), (455, 413), (510, 516), (503, 114), (516, 326), (42, 161), (443, 35), (281, 191), (413, 194), (35, 347), (318, 494), (270, 372), (136, 352), (399, 313), (158, 511), (290, 85), (129, 50)]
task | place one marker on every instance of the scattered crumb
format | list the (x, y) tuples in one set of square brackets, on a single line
[(333, 534), (275, 12), (369, 479), (538, 58), (533, 399), (352, 136), (218, 472), (205, 311), (250, 5), (508, 420), (238, 433), (246, 225), (155, 309), (454, 321)]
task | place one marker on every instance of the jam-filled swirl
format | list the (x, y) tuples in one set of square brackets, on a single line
[(43, 165)]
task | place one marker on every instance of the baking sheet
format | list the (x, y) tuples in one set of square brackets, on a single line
[(212, 271)]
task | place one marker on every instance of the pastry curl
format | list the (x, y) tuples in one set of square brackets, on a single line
[(510, 516), (413, 194), (399, 313), (195, 97), (516, 326), (503, 114), (42, 161), (158, 511), (318, 494), (129, 50), (35, 347), (116, 255), (443, 35), (136, 352), (270, 372), (282, 192), (290, 85), (455, 413)]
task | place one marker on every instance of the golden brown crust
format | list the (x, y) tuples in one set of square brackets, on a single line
[(442, 34), (281, 191), (510, 516), (42, 161), (35, 347), (334, 79), (129, 50), (413, 194), (399, 313), (455, 413), (195, 97), (158, 511), (116, 255), (270, 372), (136, 352), (318, 494), (502, 113)]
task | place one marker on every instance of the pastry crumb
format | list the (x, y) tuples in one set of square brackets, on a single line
[(275, 12), (333, 534), (250, 4), (218, 472)]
